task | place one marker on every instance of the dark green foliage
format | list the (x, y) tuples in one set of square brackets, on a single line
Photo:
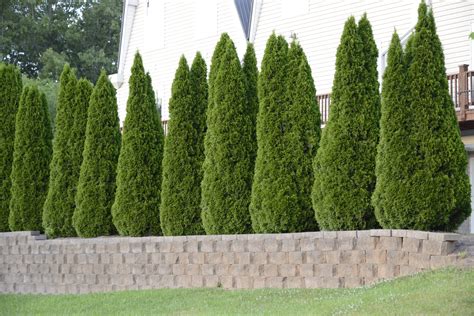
[(420, 139), (302, 139), (345, 162), (10, 91), (394, 149), (59, 205), (41, 36), (182, 163), (136, 211), (215, 63), (249, 67), (288, 129), (226, 185), (96, 186), (31, 158)]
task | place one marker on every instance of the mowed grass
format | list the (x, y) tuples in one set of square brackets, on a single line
[(442, 292)]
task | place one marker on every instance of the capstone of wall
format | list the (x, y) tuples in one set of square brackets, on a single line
[(29, 263)]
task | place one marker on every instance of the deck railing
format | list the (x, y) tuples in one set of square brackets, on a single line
[(461, 89)]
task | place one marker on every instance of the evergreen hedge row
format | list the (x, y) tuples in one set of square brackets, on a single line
[(31, 159), (10, 92), (136, 210)]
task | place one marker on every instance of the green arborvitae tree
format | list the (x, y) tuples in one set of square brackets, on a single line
[(96, 186), (249, 67), (59, 205), (345, 163), (392, 169), (180, 212), (136, 211), (31, 158), (227, 180), (302, 139), (435, 194), (288, 131), (10, 91), (215, 63)]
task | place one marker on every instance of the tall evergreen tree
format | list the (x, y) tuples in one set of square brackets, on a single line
[(31, 158), (249, 67), (136, 211), (345, 162), (288, 134), (59, 205), (96, 186), (227, 180), (182, 162), (394, 149), (302, 138), (10, 91), (435, 194)]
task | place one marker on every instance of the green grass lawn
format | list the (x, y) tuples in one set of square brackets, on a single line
[(442, 292)]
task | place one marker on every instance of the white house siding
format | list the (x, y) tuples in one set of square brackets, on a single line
[(180, 28), (318, 25)]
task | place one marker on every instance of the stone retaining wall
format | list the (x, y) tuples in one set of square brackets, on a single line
[(301, 260)]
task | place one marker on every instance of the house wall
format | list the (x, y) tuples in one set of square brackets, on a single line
[(163, 30), (301, 260)]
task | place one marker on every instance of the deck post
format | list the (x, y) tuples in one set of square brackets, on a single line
[(463, 91)]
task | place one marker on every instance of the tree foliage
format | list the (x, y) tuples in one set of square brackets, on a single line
[(345, 162), (96, 186), (31, 158), (136, 211), (183, 156), (227, 180), (429, 190), (40, 36), (10, 91), (288, 135), (68, 145)]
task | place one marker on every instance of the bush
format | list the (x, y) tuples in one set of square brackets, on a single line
[(345, 162), (10, 91), (227, 166), (433, 161), (59, 205), (287, 134), (96, 186), (31, 158), (136, 211), (182, 162)]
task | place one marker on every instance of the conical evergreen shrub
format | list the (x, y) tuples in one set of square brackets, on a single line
[(59, 205), (250, 70), (183, 156), (394, 147), (302, 138), (287, 134), (136, 211), (31, 158), (431, 191), (345, 162), (226, 185), (10, 91), (96, 186)]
